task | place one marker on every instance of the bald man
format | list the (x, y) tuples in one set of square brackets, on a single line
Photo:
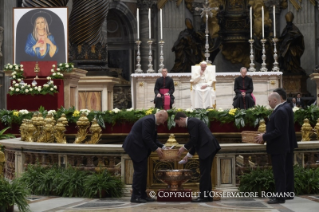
[(277, 137), (140, 142)]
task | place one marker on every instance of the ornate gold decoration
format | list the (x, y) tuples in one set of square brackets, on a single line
[(38, 122), (193, 165), (30, 129), (306, 130), (316, 128), (171, 141), (158, 165), (262, 126), (174, 178), (256, 5), (213, 25), (141, 84), (23, 130), (272, 82), (295, 4), (36, 70), (175, 83), (2, 161), (47, 135), (59, 130), (96, 130), (64, 120), (83, 124), (44, 3)]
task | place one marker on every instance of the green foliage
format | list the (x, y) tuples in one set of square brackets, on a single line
[(311, 113), (14, 192), (70, 182), (257, 180), (255, 114), (95, 183), (306, 180), (5, 136)]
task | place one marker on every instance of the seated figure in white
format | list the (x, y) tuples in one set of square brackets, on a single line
[(203, 91)]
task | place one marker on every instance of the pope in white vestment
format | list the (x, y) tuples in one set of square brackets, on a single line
[(203, 94)]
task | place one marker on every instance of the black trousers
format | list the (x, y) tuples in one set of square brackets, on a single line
[(279, 170), (205, 182), (139, 179), (290, 177)]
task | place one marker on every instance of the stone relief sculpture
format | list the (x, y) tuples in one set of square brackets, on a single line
[(1, 39), (292, 47)]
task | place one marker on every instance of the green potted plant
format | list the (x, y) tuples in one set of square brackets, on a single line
[(5, 136), (102, 185), (14, 192)]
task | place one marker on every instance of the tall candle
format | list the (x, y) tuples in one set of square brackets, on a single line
[(251, 23), (161, 17), (149, 23), (274, 17), (138, 23), (263, 19)]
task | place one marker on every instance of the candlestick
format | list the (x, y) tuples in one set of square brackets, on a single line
[(263, 19), (263, 57), (161, 17), (149, 23), (274, 17), (138, 23), (150, 65), (138, 58), (275, 65), (252, 64), (251, 23), (161, 43)]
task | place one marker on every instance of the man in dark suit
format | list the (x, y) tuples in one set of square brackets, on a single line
[(139, 144), (290, 186), (277, 137), (205, 144), (299, 101)]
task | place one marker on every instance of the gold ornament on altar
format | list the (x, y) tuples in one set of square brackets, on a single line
[(64, 120), (306, 130), (174, 178), (36, 70), (38, 122), (59, 130), (83, 124), (47, 135), (2, 161), (22, 130), (96, 130), (171, 141), (262, 126), (316, 128), (29, 129)]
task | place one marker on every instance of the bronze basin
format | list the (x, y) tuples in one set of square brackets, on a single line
[(170, 155), (174, 178)]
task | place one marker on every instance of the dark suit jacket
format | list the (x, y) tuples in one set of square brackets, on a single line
[(299, 103), (201, 139), (291, 130), (142, 139), (277, 135)]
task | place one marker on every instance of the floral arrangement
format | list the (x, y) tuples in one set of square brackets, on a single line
[(17, 71), (24, 88), (56, 74), (239, 117), (65, 67)]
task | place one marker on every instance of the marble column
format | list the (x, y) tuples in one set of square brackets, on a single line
[(173, 24), (144, 35), (7, 45)]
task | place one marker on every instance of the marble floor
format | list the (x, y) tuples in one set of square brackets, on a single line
[(59, 204)]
